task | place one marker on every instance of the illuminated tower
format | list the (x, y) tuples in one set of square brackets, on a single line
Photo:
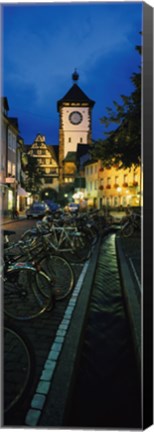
[(75, 110)]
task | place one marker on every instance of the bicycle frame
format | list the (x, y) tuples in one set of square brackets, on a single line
[(59, 235)]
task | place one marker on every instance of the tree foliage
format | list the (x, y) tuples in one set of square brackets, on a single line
[(122, 146), (33, 174)]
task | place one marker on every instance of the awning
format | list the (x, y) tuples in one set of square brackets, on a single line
[(21, 191)]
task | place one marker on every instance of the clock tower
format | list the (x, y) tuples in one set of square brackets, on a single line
[(75, 111)]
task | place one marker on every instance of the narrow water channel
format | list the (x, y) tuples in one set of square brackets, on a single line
[(106, 393)]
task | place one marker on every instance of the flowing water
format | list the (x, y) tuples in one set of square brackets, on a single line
[(107, 386)]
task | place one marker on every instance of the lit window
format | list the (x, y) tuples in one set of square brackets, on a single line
[(10, 199), (13, 169), (9, 168)]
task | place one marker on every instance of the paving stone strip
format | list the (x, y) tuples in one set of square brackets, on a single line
[(45, 382), (132, 294)]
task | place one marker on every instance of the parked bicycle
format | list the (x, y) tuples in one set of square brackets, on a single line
[(58, 269), (23, 284), (62, 239), (130, 224), (18, 366)]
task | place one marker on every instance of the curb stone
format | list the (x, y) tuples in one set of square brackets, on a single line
[(8, 221)]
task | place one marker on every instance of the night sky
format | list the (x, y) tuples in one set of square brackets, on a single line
[(42, 44)]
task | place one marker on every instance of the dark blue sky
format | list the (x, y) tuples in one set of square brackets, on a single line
[(42, 44)]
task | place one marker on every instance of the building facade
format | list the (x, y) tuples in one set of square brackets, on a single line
[(10, 161), (47, 159), (3, 155), (112, 187)]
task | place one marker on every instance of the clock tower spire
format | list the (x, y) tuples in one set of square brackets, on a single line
[(75, 75), (75, 111)]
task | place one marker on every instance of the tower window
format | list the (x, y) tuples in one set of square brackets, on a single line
[(81, 140), (69, 139)]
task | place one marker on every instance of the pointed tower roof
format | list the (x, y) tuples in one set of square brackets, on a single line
[(75, 94)]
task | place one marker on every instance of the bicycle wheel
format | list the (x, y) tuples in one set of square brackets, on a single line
[(61, 275), (82, 248), (127, 230), (18, 367), (22, 298), (95, 235), (30, 237), (91, 234)]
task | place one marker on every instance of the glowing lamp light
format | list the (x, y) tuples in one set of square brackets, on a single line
[(78, 195)]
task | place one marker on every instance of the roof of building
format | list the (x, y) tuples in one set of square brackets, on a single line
[(20, 138), (82, 149), (90, 162), (75, 94), (27, 147), (14, 122), (5, 103), (70, 157), (54, 149)]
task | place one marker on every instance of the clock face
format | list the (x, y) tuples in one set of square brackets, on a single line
[(75, 117)]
